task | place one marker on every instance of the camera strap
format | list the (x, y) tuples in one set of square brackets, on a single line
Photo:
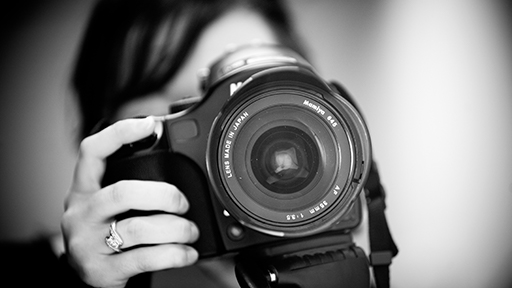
[(382, 246)]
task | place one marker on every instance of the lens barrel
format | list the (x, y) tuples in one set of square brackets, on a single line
[(283, 156)]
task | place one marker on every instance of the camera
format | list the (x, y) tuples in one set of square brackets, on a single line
[(270, 154)]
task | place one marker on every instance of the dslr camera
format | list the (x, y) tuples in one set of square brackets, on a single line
[(270, 156)]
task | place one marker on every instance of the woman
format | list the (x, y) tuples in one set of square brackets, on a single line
[(138, 57)]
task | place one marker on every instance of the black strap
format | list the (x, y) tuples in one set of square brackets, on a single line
[(382, 246)]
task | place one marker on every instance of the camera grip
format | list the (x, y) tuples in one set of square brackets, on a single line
[(177, 170)]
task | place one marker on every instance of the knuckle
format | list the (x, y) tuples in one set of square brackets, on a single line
[(89, 272), (98, 276), (73, 232), (184, 229), (73, 248), (68, 201), (86, 145), (116, 193), (118, 130), (175, 198), (143, 263), (134, 228), (84, 265), (188, 231), (180, 258), (66, 222), (183, 256)]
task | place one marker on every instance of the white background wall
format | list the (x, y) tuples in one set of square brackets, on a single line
[(432, 77)]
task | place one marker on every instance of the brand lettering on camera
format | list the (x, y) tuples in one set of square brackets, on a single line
[(239, 120), (227, 148), (292, 217), (227, 169), (315, 107), (336, 190), (227, 164), (319, 207)]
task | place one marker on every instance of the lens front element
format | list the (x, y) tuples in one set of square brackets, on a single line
[(284, 160)]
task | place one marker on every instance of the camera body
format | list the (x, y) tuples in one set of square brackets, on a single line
[(271, 153)]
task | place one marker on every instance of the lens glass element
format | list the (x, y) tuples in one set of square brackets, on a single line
[(284, 159)]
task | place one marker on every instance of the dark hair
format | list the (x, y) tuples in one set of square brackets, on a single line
[(134, 47)]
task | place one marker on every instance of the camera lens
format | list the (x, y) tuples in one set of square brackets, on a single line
[(284, 160), (281, 158)]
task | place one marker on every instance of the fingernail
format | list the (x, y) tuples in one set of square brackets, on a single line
[(183, 205), (192, 254), (195, 232), (147, 123)]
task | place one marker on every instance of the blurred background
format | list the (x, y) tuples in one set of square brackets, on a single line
[(433, 78)]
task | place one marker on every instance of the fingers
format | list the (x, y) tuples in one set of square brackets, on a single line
[(96, 148), (90, 208), (115, 270), (156, 229), (136, 195), (154, 258), (107, 141)]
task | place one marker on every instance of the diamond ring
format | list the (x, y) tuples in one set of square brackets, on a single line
[(114, 241)]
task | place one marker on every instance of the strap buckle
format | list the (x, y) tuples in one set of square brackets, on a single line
[(380, 258)]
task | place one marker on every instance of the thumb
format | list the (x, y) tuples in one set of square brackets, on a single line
[(96, 148)]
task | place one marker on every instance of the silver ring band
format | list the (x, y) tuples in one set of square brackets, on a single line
[(114, 241)]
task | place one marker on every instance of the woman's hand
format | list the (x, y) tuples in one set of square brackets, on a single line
[(158, 241)]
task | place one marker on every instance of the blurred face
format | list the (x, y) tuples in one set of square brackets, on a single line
[(237, 27)]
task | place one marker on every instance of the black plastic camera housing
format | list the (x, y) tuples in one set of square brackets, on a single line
[(270, 153)]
